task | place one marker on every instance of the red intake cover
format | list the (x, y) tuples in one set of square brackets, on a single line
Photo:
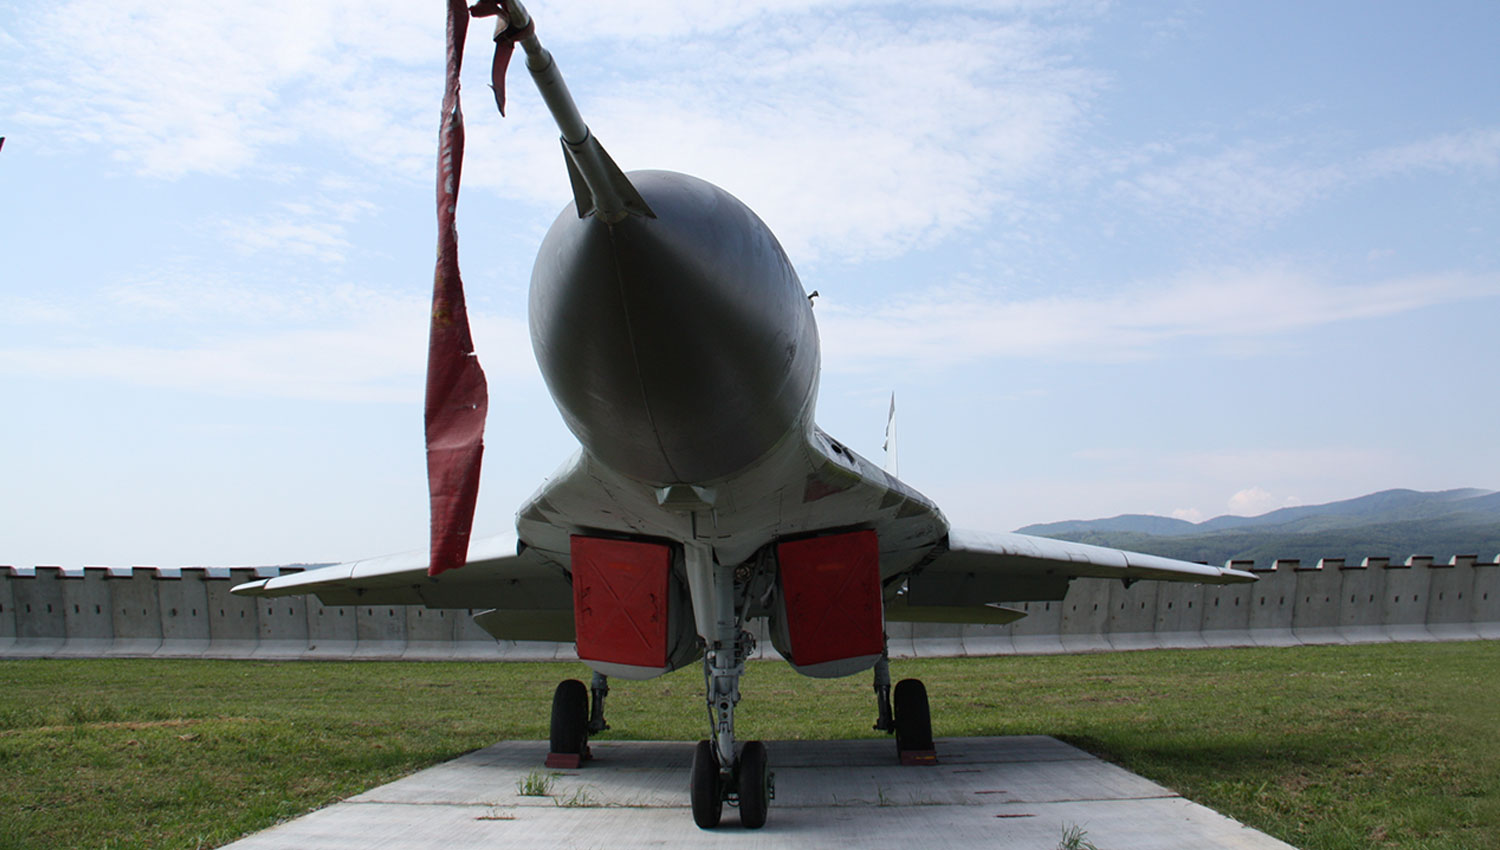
[(620, 600), (832, 590)]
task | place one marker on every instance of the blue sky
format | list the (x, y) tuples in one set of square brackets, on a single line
[(1173, 258)]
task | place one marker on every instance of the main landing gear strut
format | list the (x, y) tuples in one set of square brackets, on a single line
[(719, 776), (910, 718)]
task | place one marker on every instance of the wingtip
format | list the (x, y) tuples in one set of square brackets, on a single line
[(252, 588)]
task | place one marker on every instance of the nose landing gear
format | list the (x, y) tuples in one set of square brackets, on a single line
[(719, 775)]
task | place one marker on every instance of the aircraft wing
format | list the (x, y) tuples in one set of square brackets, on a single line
[(981, 567), (498, 574)]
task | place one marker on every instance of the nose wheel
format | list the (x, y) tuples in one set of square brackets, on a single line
[(749, 785), (707, 791), (755, 790)]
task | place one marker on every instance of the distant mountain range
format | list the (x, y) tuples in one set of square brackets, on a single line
[(1392, 523)]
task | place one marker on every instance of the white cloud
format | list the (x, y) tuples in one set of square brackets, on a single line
[(172, 91), (323, 240), (1305, 466), (905, 129), (26, 311), (344, 344), (313, 228), (1160, 482), (1253, 501), (195, 298), (944, 326), (1474, 150), (852, 134), (1244, 185), (1252, 184)]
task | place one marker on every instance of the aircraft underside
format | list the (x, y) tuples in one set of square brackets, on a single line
[(811, 537)]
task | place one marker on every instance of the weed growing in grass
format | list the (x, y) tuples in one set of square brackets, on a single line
[(535, 784), (78, 713), (1075, 837)]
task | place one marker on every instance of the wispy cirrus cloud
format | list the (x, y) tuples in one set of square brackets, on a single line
[(906, 129), (942, 327), (1476, 150), (854, 134), (314, 228), (1251, 184), (1246, 185), (282, 234), (343, 343), (171, 91), (375, 357)]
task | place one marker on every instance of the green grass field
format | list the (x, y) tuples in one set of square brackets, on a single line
[(1326, 748)]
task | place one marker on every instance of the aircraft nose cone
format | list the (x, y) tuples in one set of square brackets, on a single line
[(679, 348)]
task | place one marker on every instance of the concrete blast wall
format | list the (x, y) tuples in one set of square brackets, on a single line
[(189, 612)]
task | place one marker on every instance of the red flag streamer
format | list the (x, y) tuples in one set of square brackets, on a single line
[(457, 396), (505, 45)]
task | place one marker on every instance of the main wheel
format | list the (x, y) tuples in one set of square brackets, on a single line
[(755, 786), (707, 795), (570, 717), (913, 717)]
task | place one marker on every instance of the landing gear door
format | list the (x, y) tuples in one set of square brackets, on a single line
[(829, 619)]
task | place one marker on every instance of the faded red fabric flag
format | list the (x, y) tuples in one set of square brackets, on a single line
[(505, 45), (457, 395)]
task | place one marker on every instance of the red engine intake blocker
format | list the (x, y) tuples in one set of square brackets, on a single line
[(832, 590), (620, 600)]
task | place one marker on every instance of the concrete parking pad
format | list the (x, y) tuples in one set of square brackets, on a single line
[(1015, 792)]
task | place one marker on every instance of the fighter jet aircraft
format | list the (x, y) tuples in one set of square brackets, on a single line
[(681, 350)]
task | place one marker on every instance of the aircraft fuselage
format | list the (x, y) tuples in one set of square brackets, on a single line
[(682, 352), (679, 348)]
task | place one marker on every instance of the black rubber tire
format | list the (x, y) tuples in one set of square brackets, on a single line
[(570, 717), (755, 785), (913, 717), (707, 796)]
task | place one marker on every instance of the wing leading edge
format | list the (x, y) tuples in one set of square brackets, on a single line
[(499, 574), (974, 570), (980, 567)]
